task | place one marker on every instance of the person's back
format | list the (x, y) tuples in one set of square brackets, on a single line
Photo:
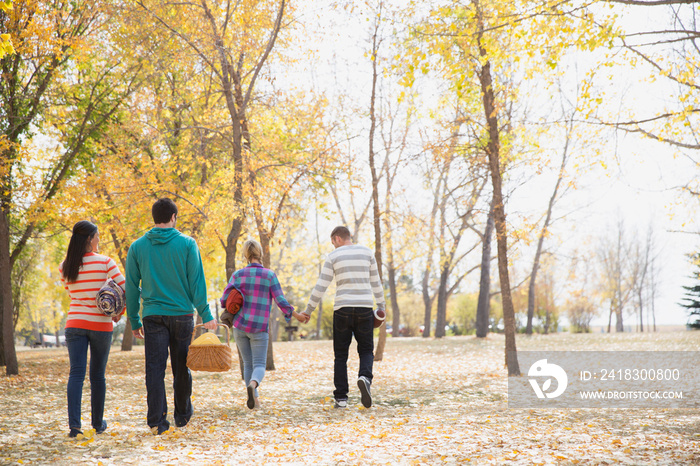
[(351, 266), (165, 261), (83, 273), (259, 286), (83, 312), (358, 287), (165, 269)]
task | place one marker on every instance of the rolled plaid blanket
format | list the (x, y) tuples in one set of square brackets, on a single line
[(110, 299)]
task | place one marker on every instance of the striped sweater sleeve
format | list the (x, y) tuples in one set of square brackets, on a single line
[(114, 273), (324, 280), (376, 284)]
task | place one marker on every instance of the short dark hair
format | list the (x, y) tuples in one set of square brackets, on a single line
[(341, 231), (163, 210)]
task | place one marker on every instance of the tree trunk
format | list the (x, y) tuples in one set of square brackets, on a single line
[(441, 317), (319, 315), (619, 326), (395, 311), (428, 304), (652, 308), (265, 243), (531, 297), (531, 293), (122, 251), (275, 323), (493, 151), (391, 268), (425, 282), (270, 363), (484, 303), (641, 311), (9, 356), (379, 350), (128, 338), (231, 246)]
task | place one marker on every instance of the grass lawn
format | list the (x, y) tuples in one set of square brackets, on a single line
[(435, 402)]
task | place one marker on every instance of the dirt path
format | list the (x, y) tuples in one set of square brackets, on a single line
[(435, 401)]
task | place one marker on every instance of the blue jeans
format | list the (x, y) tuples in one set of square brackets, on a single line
[(253, 348), (163, 333), (78, 340)]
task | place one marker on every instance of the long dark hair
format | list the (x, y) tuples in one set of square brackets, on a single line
[(83, 232)]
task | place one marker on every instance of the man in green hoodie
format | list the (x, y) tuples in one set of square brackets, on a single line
[(164, 269)]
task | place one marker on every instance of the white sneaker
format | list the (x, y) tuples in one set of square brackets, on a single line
[(363, 384), (341, 403)]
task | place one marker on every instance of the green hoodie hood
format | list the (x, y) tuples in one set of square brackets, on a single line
[(162, 235)]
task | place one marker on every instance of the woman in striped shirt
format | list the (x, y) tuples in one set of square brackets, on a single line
[(83, 272), (259, 286)]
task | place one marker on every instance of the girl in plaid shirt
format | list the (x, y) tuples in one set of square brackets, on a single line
[(259, 286)]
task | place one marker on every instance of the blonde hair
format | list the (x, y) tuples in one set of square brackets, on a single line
[(252, 250)]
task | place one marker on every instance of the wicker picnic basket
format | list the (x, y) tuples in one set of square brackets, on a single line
[(210, 358)]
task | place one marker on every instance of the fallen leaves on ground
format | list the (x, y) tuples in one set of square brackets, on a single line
[(435, 402)]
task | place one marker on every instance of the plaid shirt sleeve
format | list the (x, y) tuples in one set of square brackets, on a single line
[(278, 296)]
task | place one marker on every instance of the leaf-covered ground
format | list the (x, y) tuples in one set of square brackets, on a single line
[(435, 401)]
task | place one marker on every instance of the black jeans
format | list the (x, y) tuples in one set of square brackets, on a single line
[(163, 333), (349, 321)]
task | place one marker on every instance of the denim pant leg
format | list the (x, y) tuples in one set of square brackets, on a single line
[(253, 350), (243, 344), (77, 343), (156, 342), (258, 346), (342, 337), (181, 328), (363, 328), (100, 344)]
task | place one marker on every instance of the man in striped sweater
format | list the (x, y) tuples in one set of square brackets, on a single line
[(357, 288)]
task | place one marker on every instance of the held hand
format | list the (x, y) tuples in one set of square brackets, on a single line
[(303, 318), (116, 319), (138, 333), (211, 325)]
